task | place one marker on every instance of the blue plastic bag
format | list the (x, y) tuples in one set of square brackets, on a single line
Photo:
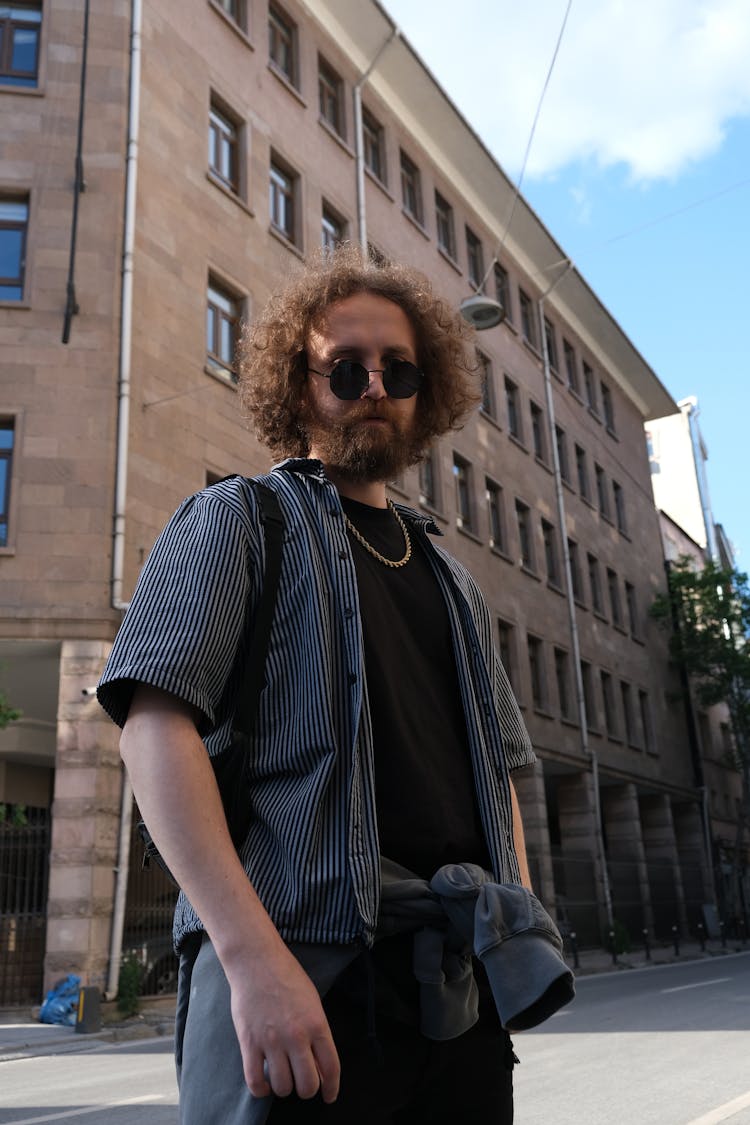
[(61, 1002)]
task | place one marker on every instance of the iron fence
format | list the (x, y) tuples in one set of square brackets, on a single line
[(24, 867)]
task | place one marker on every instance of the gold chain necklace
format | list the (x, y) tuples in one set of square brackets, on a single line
[(376, 554)]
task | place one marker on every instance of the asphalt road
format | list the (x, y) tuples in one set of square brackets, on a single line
[(662, 1046)]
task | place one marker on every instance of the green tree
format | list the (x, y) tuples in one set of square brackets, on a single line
[(708, 611), (8, 714)]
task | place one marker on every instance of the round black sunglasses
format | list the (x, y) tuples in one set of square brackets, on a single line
[(349, 380)]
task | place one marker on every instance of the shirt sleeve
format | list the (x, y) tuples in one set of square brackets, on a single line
[(182, 630), (516, 741)]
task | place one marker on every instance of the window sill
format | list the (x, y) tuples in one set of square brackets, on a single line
[(469, 533), (542, 712), (556, 373), (556, 588), (7, 551), (517, 441), (447, 257), (340, 141), (501, 554), (509, 324), (624, 533), (221, 374), (587, 502), (568, 722), (282, 238), (568, 485), (531, 573), (612, 433), (543, 463), (379, 183), (232, 25), (29, 91), (15, 304), (616, 738), (598, 614), (576, 395), (580, 603), (399, 489), (225, 190), (436, 513), (637, 638), (607, 518), (491, 419), (416, 223), (620, 629), (594, 414), (287, 83), (531, 347)]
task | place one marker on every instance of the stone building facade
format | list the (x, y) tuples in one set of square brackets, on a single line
[(219, 148)]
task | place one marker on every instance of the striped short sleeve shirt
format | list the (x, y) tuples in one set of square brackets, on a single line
[(312, 850)]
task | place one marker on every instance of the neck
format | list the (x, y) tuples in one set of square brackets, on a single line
[(366, 492)]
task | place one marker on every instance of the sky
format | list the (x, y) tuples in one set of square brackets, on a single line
[(639, 166)]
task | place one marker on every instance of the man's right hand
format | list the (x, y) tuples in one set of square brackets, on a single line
[(283, 1033), (276, 1009)]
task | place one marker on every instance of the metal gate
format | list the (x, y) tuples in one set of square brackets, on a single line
[(147, 932), (24, 867)]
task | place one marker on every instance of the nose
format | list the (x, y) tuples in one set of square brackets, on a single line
[(375, 389)]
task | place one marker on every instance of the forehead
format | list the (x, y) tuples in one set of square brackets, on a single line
[(365, 320)]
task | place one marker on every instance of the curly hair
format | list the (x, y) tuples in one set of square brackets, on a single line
[(272, 361)]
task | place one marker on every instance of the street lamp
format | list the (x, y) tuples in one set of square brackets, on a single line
[(481, 311)]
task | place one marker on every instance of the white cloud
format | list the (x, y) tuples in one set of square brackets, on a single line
[(647, 84)]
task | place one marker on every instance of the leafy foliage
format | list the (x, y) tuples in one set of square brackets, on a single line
[(8, 714)]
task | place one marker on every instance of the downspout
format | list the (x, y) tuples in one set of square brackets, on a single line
[(690, 405), (121, 469), (588, 753), (359, 141)]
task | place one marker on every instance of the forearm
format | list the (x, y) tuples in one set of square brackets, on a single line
[(519, 842)]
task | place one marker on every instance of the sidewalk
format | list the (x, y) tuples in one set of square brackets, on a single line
[(22, 1036)]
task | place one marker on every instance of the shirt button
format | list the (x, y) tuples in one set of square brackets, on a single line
[(352, 677), (348, 612), (343, 554)]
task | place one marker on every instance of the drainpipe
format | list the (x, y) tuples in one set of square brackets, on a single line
[(586, 750), (359, 141), (121, 470)]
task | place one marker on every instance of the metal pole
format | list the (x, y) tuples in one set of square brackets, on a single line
[(359, 140)]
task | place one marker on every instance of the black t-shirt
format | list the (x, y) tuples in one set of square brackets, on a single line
[(426, 806)]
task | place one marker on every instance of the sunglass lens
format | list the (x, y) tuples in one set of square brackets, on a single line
[(401, 379), (349, 380)]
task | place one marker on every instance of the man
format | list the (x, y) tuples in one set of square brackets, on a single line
[(386, 727)]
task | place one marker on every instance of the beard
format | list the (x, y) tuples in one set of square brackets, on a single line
[(363, 453)]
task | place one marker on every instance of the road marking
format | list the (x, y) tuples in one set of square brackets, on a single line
[(68, 1113), (723, 1112), (699, 984)]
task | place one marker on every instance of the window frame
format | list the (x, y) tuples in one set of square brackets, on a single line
[(20, 79), (494, 497), (488, 404), (331, 221), (525, 532), (618, 495), (225, 367), (562, 680), (411, 189), (463, 483), (429, 482), (611, 724), (551, 339), (630, 730), (474, 259), (576, 575), (528, 320), (445, 227), (615, 602), (503, 290), (589, 386), (229, 130), (563, 461), (570, 357), (373, 137), (595, 584), (21, 226), (507, 647), (282, 37), (537, 672), (538, 432), (513, 409), (551, 554), (8, 424), (602, 492), (608, 406), (582, 473), (331, 107), (278, 170)]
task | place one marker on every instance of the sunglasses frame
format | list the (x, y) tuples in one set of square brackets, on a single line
[(337, 373)]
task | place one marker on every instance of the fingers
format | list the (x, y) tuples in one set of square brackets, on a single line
[(328, 1067), (303, 1068)]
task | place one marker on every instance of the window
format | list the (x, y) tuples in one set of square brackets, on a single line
[(590, 387), (575, 571), (582, 473), (428, 481), (626, 695), (411, 188), (512, 407), (632, 604), (502, 291), (562, 453), (613, 586), (223, 148), (571, 366), (551, 339), (222, 329), (610, 716), (333, 229), (330, 97), (595, 584), (374, 145), (608, 409), (507, 651), (14, 219), (282, 43), (528, 324), (488, 388), (474, 259), (602, 492), (562, 676), (20, 26), (283, 199), (646, 727), (536, 673), (551, 556), (537, 432), (619, 495), (7, 436), (495, 514), (446, 233), (235, 9), (525, 543), (588, 696), (462, 477)]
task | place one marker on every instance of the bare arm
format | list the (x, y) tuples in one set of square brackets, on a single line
[(276, 1009), (518, 839)]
